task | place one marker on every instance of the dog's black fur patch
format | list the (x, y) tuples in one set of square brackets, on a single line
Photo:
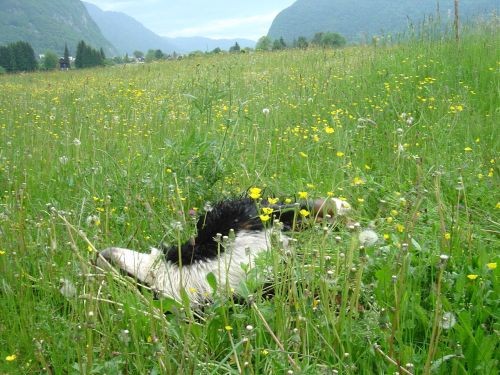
[(237, 214)]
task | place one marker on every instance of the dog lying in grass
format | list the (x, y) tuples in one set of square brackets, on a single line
[(229, 236)]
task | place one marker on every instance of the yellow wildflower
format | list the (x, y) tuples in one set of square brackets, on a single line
[(340, 154), (255, 192), (304, 213), (228, 328), (400, 228), (11, 358), (491, 266), (358, 181), (303, 194), (329, 130), (472, 277), (467, 149), (267, 210), (447, 236), (264, 218), (273, 200)]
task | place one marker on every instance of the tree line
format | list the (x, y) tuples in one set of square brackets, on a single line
[(20, 57), (321, 39)]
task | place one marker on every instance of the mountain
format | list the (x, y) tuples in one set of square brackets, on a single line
[(129, 35), (198, 43), (356, 20), (126, 33), (49, 24)]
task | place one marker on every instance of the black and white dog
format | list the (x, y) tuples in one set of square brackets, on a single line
[(169, 270)]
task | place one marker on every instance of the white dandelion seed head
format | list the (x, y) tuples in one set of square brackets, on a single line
[(63, 160), (67, 288), (77, 142), (448, 320), (368, 238), (92, 220), (266, 111)]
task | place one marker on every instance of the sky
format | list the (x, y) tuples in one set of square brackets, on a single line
[(216, 19)]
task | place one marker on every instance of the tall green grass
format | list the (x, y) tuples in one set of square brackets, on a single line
[(119, 156)]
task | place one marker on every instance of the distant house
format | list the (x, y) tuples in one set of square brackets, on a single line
[(63, 65)]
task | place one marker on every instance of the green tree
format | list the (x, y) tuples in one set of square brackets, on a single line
[(301, 42), (333, 40), (317, 39), (264, 44), (150, 55), (279, 44), (50, 60), (87, 56), (5, 58), (22, 57), (328, 40), (138, 54), (67, 62), (235, 48), (159, 54)]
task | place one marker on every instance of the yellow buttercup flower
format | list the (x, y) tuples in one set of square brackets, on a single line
[(255, 193), (273, 200), (264, 218), (491, 266), (267, 210), (472, 276), (304, 213), (11, 358), (303, 194)]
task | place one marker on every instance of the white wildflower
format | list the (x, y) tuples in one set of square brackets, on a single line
[(368, 238), (448, 320)]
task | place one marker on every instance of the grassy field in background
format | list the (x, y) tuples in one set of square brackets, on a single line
[(408, 134)]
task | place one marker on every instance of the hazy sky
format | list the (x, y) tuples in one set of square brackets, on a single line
[(212, 18)]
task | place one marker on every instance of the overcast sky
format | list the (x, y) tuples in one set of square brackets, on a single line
[(214, 18)]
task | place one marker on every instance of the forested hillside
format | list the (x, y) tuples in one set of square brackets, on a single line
[(358, 20), (49, 25)]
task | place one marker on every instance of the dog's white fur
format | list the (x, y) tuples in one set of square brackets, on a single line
[(169, 279)]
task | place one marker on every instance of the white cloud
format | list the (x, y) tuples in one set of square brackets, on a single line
[(251, 27)]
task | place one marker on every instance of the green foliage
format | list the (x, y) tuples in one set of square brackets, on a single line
[(138, 54), (154, 55), (88, 57), (118, 157), (264, 44), (49, 24), (328, 40), (66, 59), (18, 57), (279, 44), (235, 48), (50, 61)]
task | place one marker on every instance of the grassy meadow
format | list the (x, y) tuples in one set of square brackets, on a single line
[(126, 156)]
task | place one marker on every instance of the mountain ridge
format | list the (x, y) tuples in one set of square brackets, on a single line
[(49, 25), (365, 18)]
